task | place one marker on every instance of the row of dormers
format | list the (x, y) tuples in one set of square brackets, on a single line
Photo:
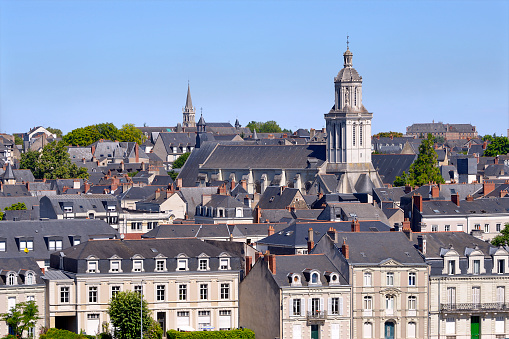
[(313, 278), (474, 261), (12, 278)]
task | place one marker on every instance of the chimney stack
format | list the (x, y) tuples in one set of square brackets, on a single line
[(418, 202), (257, 256), (469, 198), (249, 263), (407, 229), (503, 193), (272, 262), (157, 193), (496, 160), (243, 183), (356, 226), (455, 198), (333, 234), (408, 189), (232, 185), (311, 243), (137, 153), (345, 250), (484, 145), (271, 230), (435, 191), (488, 187)]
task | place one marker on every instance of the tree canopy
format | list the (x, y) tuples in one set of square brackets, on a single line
[(498, 146), (56, 131), (84, 136), (266, 127), (180, 161), (388, 134), (503, 238), (53, 162), (21, 318), (424, 169), (124, 311)]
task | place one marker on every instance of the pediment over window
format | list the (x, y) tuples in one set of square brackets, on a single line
[(182, 255), (138, 256), (390, 262), (113, 257), (391, 290), (160, 256), (224, 254), (92, 257), (203, 255)]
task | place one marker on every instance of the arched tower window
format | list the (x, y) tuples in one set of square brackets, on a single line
[(355, 97), (361, 126), (354, 136)]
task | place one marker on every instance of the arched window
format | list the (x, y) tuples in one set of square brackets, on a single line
[(360, 133), (411, 330), (368, 330), (30, 278), (11, 279), (354, 127), (314, 278)]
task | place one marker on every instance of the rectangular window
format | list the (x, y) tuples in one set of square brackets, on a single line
[(412, 303), (151, 225), (477, 227), (390, 279), (500, 326), (223, 263), (2, 246), (368, 330), (160, 292), (367, 279), (451, 295), (135, 226), (447, 228), (137, 265), (368, 303), (411, 329), (92, 266), (115, 266), (499, 227), (138, 289), (64, 294), (204, 291), (476, 295), (159, 265), (477, 267), (55, 245), (451, 267), (500, 266), (182, 292), (459, 227), (412, 277), (26, 244), (500, 294), (203, 264), (450, 326), (76, 242), (334, 309), (182, 265), (389, 302), (225, 291), (114, 290), (297, 306), (92, 294), (486, 228), (434, 228)]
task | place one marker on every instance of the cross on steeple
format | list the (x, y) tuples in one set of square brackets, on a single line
[(347, 42)]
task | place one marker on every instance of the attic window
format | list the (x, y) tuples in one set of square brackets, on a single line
[(288, 233), (271, 199), (153, 250), (373, 229), (363, 254), (407, 254), (456, 211), (436, 211)]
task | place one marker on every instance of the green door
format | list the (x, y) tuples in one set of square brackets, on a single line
[(389, 330), (314, 332), (474, 327)]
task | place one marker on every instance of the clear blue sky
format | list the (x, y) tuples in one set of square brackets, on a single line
[(68, 64)]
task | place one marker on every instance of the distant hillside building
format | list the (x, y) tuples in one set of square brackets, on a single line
[(439, 129)]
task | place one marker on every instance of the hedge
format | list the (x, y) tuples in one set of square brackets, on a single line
[(232, 334), (55, 333)]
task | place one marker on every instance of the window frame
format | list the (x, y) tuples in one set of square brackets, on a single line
[(224, 289), (412, 279), (65, 294), (93, 294), (182, 292), (204, 291), (160, 292)]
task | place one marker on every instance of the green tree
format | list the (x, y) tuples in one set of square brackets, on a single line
[(424, 169), (180, 161), (499, 146), (106, 131), (130, 133), (388, 134), (264, 127), (503, 238), (124, 311), (439, 140), (21, 318), (488, 137), (52, 163), (55, 131), (82, 136), (18, 140)]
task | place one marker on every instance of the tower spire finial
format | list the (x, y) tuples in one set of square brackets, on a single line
[(347, 42)]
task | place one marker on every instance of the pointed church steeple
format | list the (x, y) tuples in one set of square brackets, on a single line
[(188, 111)]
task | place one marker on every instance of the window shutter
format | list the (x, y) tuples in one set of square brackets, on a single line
[(321, 304), (340, 306), (329, 308), (309, 305), (302, 306), (290, 308)]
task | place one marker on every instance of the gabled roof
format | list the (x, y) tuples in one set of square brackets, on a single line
[(21, 266), (226, 201), (391, 165), (277, 197), (460, 241)]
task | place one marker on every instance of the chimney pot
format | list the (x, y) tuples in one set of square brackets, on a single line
[(345, 250)]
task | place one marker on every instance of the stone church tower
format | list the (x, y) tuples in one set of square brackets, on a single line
[(188, 111), (348, 126)]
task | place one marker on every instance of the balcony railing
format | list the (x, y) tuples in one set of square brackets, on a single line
[(473, 307), (316, 317)]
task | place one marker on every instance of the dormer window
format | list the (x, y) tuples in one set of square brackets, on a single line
[(451, 267), (30, 278), (92, 266), (314, 278), (182, 265), (55, 244), (3, 246), (138, 265), (203, 264), (11, 279), (115, 266), (295, 279), (160, 265), (477, 267), (224, 263), (112, 208), (25, 244), (501, 266)]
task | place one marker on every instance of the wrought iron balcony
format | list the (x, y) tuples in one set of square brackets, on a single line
[(316, 317), (474, 307)]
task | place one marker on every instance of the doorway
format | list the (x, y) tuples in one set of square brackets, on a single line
[(474, 327), (315, 334), (389, 330)]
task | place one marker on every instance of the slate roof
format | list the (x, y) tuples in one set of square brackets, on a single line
[(140, 192), (264, 157), (38, 231), (275, 215), (189, 172), (21, 266), (389, 194), (174, 139), (330, 181), (377, 247), (191, 231), (496, 170), (162, 180), (287, 264), (462, 189), (79, 203), (192, 197), (273, 198), (479, 206), (296, 235), (436, 241), (14, 191), (29, 202), (391, 165), (217, 200)]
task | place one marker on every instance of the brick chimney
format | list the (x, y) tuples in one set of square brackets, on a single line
[(243, 183), (272, 263), (345, 250), (488, 187), (179, 182), (249, 263), (257, 256), (496, 160), (408, 189), (92, 149), (469, 198), (311, 243), (406, 225), (484, 145), (137, 153), (503, 193), (356, 226), (205, 198), (455, 198), (435, 191), (258, 215), (418, 202), (333, 234), (232, 185), (157, 193), (271, 231), (222, 189)]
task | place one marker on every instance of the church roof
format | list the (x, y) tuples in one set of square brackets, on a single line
[(189, 102), (348, 74), (201, 122)]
